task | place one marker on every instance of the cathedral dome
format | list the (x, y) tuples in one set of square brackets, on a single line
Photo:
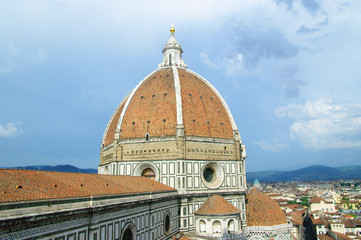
[(262, 210), (170, 98), (157, 105), (173, 114)]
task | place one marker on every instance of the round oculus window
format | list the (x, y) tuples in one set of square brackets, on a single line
[(212, 175), (209, 174)]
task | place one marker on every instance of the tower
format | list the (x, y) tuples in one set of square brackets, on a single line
[(175, 127)]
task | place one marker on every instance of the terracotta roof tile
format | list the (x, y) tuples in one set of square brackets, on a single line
[(342, 236), (348, 223), (296, 217), (25, 185), (153, 110), (203, 112), (317, 199), (318, 221), (357, 222), (217, 205), (324, 237), (263, 210), (293, 206), (109, 137)]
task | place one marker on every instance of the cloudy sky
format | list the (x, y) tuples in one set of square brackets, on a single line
[(290, 71)]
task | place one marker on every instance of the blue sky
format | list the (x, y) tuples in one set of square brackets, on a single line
[(290, 71)]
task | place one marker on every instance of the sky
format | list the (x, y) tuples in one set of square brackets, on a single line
[(289, 70)]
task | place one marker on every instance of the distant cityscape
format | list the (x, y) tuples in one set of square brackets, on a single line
[(334, 207)]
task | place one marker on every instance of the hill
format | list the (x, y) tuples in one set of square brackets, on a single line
[(60, 168), (316, 172)]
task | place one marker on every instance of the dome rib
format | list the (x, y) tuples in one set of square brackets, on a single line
[(233, 123), (178, 95), (109, 132), (119, 126)]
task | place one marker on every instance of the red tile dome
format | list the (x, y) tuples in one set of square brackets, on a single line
[(168, 97), (263, 210)]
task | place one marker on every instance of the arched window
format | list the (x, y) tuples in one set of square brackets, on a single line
[(127, 235), (231, 225), (128, 232), (202, 226), (217, 227)]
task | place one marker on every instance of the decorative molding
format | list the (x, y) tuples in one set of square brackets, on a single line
[(178, 96)]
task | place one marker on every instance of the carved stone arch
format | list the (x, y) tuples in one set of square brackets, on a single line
[(281, 237), (216, 226), (146, 167), (256, 238), (129, 232)]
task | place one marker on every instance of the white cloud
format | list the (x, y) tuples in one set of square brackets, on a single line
[(15, 58), (229, 66), (8, 62), (274, 147), (324, 124), (10, 130), (41, 56)]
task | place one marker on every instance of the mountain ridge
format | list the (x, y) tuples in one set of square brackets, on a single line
[(58, 168), (314, 172)]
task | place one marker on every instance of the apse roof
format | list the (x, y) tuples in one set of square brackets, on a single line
[(26, 185), (217, 205)]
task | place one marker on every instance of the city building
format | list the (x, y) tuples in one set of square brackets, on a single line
[(320, 204)]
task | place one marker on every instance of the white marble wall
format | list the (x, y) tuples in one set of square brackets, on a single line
[(107, 222)]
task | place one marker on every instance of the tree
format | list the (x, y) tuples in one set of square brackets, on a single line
[(305, 201)]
